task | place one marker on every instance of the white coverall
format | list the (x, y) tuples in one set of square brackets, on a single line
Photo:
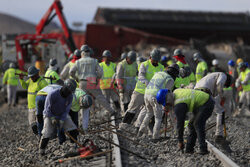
[(215, 82), (153, 108), (89, 72)]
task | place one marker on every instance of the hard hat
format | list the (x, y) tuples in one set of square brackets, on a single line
[(85, 48), (106, 53), (231, 63), (132, 56), (32, 71), (77, 53), (70, 84), (163, 58), (247, 65), (242, 65), (161, 96), (173, 70), (196, 56), (184, 72), (178, 52), (239, 60), (215, 62), (86, 101), (155, 54), (52, 62), (124, 55), (12, 65)]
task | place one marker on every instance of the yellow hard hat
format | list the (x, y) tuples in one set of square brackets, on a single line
[(239, 60)]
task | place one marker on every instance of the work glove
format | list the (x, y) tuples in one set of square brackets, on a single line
[(181, 146)]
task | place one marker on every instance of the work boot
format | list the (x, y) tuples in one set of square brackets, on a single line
[(41, 151), (136, 130), (219, 139), (34, 129)]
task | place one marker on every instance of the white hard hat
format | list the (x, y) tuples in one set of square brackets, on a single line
[(215, 62)]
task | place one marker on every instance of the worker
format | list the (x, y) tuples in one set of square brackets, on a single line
[(215, 66), (65, 72), (230, 103), (146, 72), (106, 84), (201, 105), (88, 73), (11, 81), (40, 101), (181, 62), (33, 84), (244, 81), (56, 110), (51, 72), (40, 65), (123, 56), (213, 84), (81, 101), (201, 69), (126, 79), (160, 80)]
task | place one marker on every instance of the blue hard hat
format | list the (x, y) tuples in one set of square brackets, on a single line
[(231, 63), (247, 65), (161, 96), (164, 58)]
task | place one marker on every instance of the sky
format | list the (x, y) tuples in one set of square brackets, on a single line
[(84, 10)]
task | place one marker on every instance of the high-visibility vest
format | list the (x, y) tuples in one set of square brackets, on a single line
[(10, 78), (130, 71), (150, 71), (53, 74), (108, 72), (170, 62), (243, 76), (200, 69), (193, 98), (158, 81), (185, 81), (76, 99), (33, 88)]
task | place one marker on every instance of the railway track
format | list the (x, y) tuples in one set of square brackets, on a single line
[(19, 148)]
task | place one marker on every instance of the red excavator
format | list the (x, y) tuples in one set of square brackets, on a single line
[(26, 42)]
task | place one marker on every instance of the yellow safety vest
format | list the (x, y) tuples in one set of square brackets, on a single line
[(201, 67), (53, 74), (10, 78), (108, 72), (150, 71), (33, 88), (130, 71), (193, 98), (243, 76)]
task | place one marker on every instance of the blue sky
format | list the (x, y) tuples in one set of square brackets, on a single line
[(84, 10)]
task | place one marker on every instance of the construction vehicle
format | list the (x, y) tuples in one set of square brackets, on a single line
[(26, 43)]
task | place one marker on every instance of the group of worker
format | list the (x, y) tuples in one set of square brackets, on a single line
[(147, 90)]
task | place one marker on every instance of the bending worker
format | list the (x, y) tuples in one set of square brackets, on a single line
[(201, 104)]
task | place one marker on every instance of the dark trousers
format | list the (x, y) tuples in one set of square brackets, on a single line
[(74, 116), (180, 112), (197, 125), (40, 101)]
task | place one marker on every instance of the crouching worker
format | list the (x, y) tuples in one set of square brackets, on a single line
[(83, 102), (40, 101), (202, 105), (56, 110)]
